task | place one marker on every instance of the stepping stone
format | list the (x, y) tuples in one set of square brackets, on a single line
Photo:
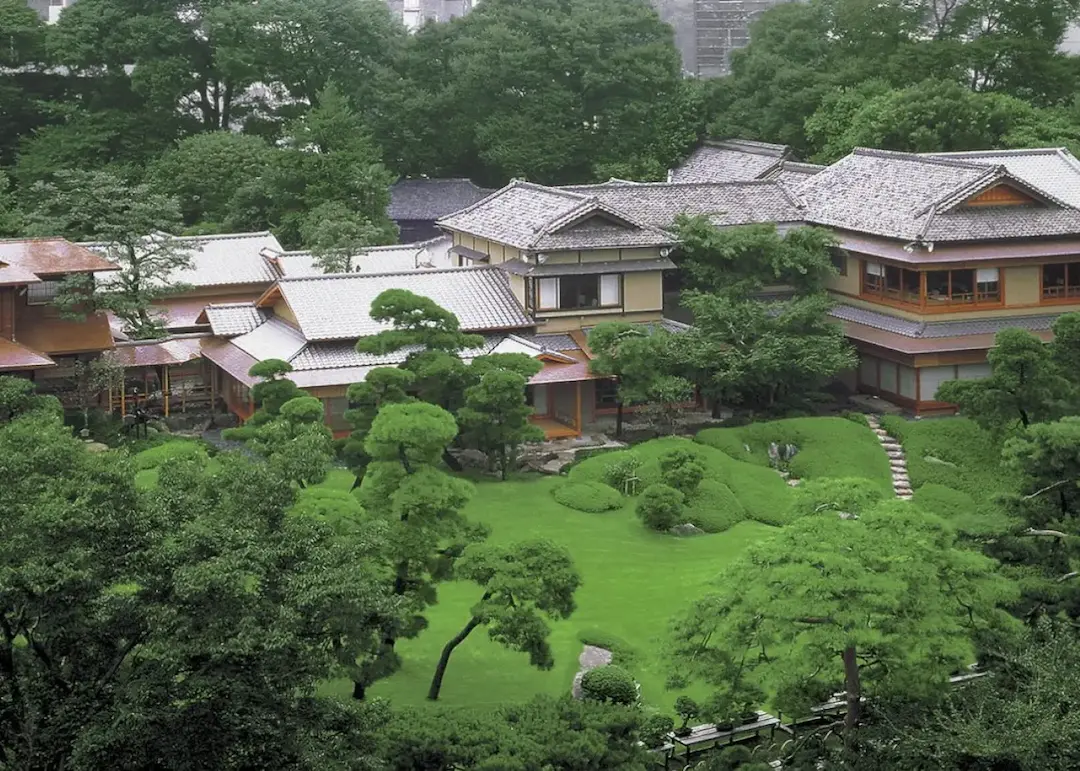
[(897, 462), (895, 455)]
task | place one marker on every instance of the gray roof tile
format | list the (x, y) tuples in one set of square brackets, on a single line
[(338, 307), (432, 199), (1053, 169), (729, 161), (940, 329), (220, 260), (232, 319), (532, 217), (730, 203)]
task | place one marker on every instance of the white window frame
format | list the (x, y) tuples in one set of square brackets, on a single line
[(610, 288), (549, 293), (550, 288)]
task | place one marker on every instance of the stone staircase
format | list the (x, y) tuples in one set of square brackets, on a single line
[(897, 462)]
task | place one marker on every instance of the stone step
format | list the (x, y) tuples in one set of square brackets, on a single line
[(895, 455), (881, 432), (901, 489), (897, 462)]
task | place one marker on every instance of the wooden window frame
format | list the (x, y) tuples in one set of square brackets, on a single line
[(1066, 299), (619, 303), (924, 305)]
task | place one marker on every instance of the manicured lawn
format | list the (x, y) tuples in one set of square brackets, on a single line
[(955, 471), (828, 447), (634, 582)]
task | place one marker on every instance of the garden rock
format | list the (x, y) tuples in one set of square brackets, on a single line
[(687, 528), (472, 458), (96, 447), (939, 461), (591, 657)]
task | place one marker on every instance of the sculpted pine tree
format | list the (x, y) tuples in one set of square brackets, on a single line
[(495, 418), (882, 604), (421, 506), (523, 584)]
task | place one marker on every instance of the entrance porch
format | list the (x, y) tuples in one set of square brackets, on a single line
[(562, 409)]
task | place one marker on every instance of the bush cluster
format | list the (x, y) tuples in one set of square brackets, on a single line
[(661, 507), (593, 497), (610, 683), (172, 449)]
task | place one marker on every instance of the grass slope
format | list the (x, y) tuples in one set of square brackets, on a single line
[(633, 582), (955, 469), (761, 493), (828, 447)]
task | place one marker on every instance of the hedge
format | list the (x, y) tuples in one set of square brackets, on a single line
[(593, 497), (172, 449)]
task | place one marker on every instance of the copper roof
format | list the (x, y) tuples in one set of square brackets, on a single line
[(917, 254), (914, 345), (152, 353), (231, 359), (183, 311), (52, 256), (14, 356), (53, 335)]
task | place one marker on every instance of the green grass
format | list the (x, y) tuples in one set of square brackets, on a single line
[(955, 469), (761, 493), (633, 583), (828, 447)]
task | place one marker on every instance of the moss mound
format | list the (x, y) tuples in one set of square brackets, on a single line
[(174, 448), (759, 491), (593, 497)]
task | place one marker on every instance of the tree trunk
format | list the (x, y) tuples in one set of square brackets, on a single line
[(853, 688), (359, 691), (444, 658), (451, 461), (618, 418)]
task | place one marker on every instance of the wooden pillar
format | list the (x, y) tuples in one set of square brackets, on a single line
[(577, 406), (110, 399), (165, 389), (123, 399)]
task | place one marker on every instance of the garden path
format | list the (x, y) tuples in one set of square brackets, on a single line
[(897, 461)]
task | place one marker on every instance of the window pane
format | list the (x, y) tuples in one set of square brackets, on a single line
[(549, 292), (868, 371), (872, 278), (1053, 279), (937, 286), (963, 286), (609, 290), (907, 382), (912, 288), (892, 280), (839, 261), (931, 378), (1073, 280), (579, 292), (888, 377), (42, 293)]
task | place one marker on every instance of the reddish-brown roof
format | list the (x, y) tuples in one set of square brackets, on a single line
[(182, 312), (52, 256), (35, 329), (950, 253), (231, 359), (14, 356), (554, 372), (16, 275), (154, 353)]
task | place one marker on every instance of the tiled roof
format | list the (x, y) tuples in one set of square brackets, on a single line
[(24, 261), (14, 356), (552, 342), (731, 203), (338, 307), (434, 253), (221, 260), (274, 339), (792, 172), (232, 319), (533, 217), (729, 161), (920, 198), (431, 199), (1053, 169), (941, 329), (179, 312)]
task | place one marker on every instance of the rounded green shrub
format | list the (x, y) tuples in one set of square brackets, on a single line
[(655, 729), (592, 497), (611, 684), (714, 507), (682, 469), (170, 450), (661, 507)]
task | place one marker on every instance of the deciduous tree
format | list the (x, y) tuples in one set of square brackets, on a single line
[(523, 584), (132, 224), (884, 603), (186, 626)]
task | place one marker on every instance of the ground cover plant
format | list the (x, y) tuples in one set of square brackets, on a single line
[(827, 447), (730, 491), (956, 471)]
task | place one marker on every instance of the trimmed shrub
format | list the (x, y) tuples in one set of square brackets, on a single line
[(611, 684), (714, 507), (962, 511), (621, 472), (661, 507), (592, 497), (328, 504), (682, 469), (835, 495), (170, 450), (655, 729)]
